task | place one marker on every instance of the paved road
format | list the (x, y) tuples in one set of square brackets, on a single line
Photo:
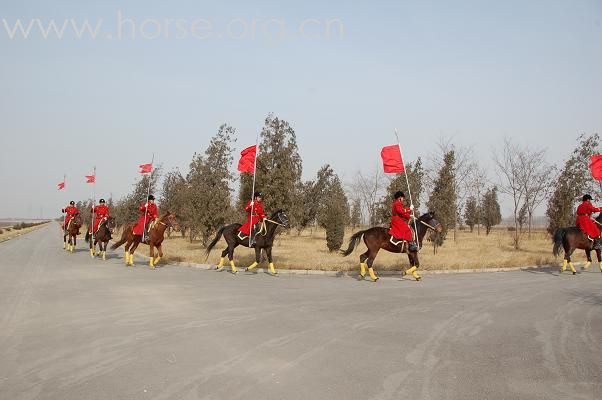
[(76, 328)]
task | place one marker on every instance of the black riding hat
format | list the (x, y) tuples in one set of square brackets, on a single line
[(258, 194), (72, 203), (102, 201), (399, 194), (587, 197), (151, 197)]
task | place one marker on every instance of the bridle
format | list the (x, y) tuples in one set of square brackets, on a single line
[(276, 222)]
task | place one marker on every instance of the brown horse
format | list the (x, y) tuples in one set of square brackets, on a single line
[(573, 238), (72, 230), (156, 235), (264, 240), (377, 238), (102, 237)]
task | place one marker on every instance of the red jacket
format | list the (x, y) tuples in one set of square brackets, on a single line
[(584, 221), (258, 215), (399, 221), (152, 212), (101, 211), (71, 212)]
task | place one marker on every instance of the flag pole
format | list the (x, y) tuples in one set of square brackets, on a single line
[(64, 214), (409, 189), (93, 207), (150, 177), (253, 189)]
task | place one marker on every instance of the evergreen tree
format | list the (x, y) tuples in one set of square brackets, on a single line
[(471, 212), (356, 213), (208, 199), (442, 199), (279, 167), (173, 196), (491, 214), (333, 212), (573, 181)]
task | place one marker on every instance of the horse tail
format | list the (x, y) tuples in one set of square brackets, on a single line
[(122, 240), (87, 238), (559, 236), (218, 236), (353, 242)]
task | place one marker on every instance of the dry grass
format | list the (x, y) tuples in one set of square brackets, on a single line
[(309, 251), (13, 233)]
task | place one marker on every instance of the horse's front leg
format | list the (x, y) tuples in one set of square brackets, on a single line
[(268, 251), (414, 265), (371, 257), (257, 256), (133, 250), (64, 241), (567, 261), (92, 247), (231, 257), (588, 254), (151, 260), (160, 254)]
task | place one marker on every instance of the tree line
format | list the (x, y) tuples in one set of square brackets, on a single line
[(460, 191)]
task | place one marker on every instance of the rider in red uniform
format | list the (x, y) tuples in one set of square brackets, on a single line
[(401, 215), (71, 212), (584, 221), (148, 213), (252, 219), (101, 213)]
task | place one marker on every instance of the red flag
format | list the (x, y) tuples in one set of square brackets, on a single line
[(60, 186), (146, 168), (247, 159), (90, 178), (392, 162), (596, 166)]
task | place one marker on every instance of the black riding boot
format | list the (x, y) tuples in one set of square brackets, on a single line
[(597, 245), (412, 247), (253, 234)]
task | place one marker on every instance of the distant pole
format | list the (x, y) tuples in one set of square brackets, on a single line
[(64, 214), (253, 189), (405, 172), (150, 178), (93, 208)]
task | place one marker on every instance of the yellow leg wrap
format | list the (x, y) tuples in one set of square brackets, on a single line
[(221, 263), (250, 267), (157, 260), (104, 255), (272, 269), (92, 253), (72, 248), (587, 265), (411, 270), (564, 264), (234, 270), (65, 245), (127, 258), (131, 261), (573, 270), (151, 263), (362, 270), (372, 274)]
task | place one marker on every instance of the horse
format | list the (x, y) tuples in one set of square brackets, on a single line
[(377, 238), (264, 240), (572, 238), (156, 235), (101, 236), (71, 230)]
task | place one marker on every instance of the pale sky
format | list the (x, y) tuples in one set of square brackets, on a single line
[(478, 71)]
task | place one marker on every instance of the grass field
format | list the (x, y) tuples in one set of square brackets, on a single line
[(7, 232), (309, 251)]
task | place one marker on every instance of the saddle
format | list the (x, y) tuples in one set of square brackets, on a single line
[(263, 230), (396, 242)]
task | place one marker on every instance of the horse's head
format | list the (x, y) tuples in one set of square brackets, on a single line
[(171, 221), (280, 218), (111, 224), (77, 220), (430, 222)]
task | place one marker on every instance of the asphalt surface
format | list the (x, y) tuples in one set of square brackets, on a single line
[(76, 328)]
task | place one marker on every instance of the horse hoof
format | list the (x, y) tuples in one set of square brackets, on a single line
[(361, 277), (574, 273), (418, 279)]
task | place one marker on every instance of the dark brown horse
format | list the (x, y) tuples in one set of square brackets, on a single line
[(156, 235), (72, 230), (573, 238), (263, 241), (101, 236), (378, 238)]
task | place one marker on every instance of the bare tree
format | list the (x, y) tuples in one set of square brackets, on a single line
[(509, 169), (369, 188), (535, 178), (477, 183)]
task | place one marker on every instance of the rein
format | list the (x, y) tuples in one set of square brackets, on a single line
[(427, 225), (274, 222)]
